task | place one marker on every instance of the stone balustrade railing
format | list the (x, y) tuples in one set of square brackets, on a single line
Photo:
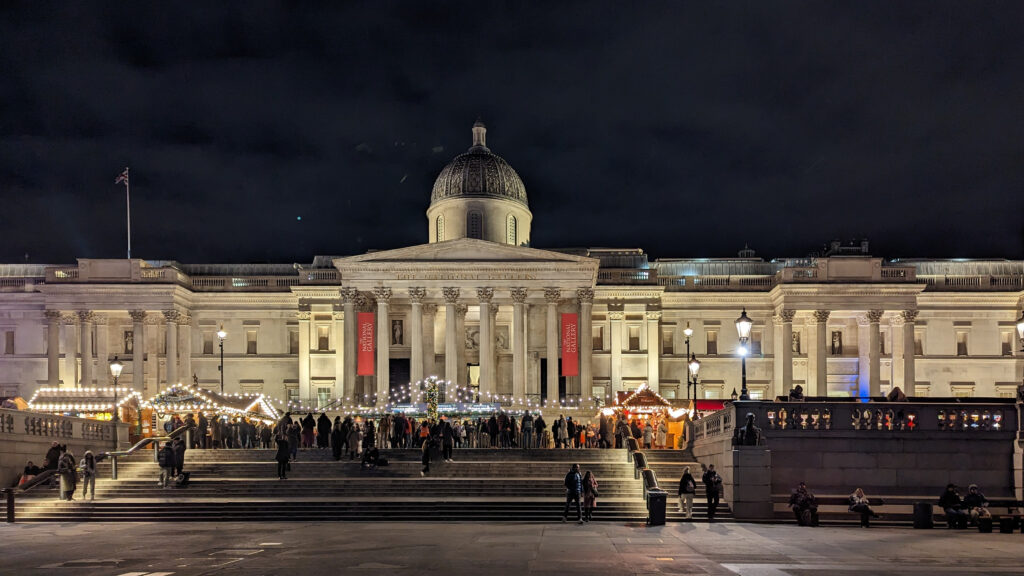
[(40, 425), (714, 425)]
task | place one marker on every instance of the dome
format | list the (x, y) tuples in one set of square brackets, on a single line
[(478, 173)]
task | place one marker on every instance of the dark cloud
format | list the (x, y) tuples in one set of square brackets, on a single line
[(687, 129)]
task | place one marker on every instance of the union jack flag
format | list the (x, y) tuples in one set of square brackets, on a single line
[(122, 178)]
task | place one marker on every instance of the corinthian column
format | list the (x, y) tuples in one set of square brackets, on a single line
[(429, 350), (487, 384), (415, 332), (817, 368), (383, 295), (784, 352), (909, 375), (86, 318), (552, 296), (52, 348), (70, 350), (171, 352), (518, 342), (653, 318), (102, 350), (586, 340), (138, 350), (185, 346), (460, 318), (874, 356), (451, 356)]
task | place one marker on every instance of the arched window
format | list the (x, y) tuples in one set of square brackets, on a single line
[(474, 225), (439, 229), (510, 230)]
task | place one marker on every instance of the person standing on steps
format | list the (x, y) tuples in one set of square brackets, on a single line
[(354, 439), (648, 436), (293, 439), (201, 429), (323, 431), (447, 441), (166, 460), (589, 496), (337, 435), (662, 438), (425, 458), (179, 455), (527, 431), (540, 426), (713, 486), (573, 492), (687, 488), (283, 453), (68, 476)]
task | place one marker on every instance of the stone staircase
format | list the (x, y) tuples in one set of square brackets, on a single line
[(668, 465), (481, 485)]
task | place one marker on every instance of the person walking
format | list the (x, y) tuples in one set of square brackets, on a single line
[(68, 476), (687, 488), (589, 496), (283, 453), (573, 492), (179, 455), (713, 487)]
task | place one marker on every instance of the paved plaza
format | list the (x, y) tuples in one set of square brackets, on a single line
[(188, 549)]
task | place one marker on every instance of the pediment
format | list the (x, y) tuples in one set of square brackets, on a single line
[(464, 250)]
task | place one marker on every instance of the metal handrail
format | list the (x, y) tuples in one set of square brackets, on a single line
[(37, 480), (140, 445)]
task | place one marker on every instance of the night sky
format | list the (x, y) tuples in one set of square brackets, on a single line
[(684, 128)]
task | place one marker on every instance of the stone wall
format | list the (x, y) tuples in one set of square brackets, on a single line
[(28, 435), (884, 448)]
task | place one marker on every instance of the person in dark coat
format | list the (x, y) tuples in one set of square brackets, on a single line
[(447, 441), (308, 427), (804, 505), (539, 425), (589, 496), (283, 453), (337, 441), (953, 506), (573, 493), (713, 488), (527, 431), (492, 430), (369, 435), (52, 457), (179, 456), (323, 431), (294, 434), (201, 430), (425, 458), (687, 488)]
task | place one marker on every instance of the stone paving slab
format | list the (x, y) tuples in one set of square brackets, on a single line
[(310, 548)]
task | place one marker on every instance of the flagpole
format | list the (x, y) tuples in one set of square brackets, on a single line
[(128, 206)]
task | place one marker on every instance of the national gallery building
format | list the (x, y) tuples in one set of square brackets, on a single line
[(479, 306)]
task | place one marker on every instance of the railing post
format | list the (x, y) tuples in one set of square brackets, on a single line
[(113, 467), (9, 492)]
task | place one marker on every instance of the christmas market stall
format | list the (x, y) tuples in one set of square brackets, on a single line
[(182, 400), (94, 403), (646, 405)]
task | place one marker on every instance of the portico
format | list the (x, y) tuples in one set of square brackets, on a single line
[(499, 303)]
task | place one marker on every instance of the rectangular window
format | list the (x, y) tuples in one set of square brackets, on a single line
[(1007, 342), (712, 336), (962, 391), (9, 342), (634, 338), (918, 344), (667, 342), (961, 343), (208, 343), (712, 393), (922, 391), (250, 342), (323, 337), (598, 338), (293, 394), (756, 394), (755, 343), (323, 396), (293, 341)]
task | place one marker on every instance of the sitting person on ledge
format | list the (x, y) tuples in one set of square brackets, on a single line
[(797, 393), (976, 504), (952, 506), (860, 504), (804, 506)]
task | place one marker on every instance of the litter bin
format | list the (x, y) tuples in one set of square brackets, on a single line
[(1007, 524), (656, 502), (923, 515)]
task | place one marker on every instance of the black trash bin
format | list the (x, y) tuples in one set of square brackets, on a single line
[(985, 525), (657, 499), (923, 515)]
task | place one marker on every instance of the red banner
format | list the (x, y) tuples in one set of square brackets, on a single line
[(365, 344), (570, 345)]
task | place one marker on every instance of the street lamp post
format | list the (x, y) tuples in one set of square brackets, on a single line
[(221, 335), (115, 371), (743, 325), (693, 368)]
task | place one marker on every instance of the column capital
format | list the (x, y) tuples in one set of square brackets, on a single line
[(303, 315), (821, 316), (909, 316), (786, 315), (185, 318), (86, 315), (451, 294), (170, 315), (875, 316), (552, 295), (518, 294), (152, 319), (897, 320), (349, 295), (485, 294), (417, 294), (616, 315), (653, 314), (52, 315), (429, 309), (99, 319), (338, 315), (70, 318), (461, 309), (382, 294), (137, 315), (585, 295)]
